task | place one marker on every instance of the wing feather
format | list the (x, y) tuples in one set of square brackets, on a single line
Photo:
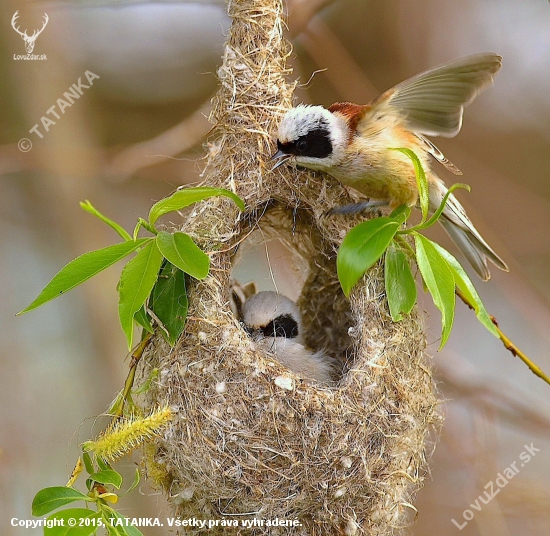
[(438, 155), (433, 101)]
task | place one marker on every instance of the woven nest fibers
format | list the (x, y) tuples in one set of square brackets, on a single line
[(250, 440)]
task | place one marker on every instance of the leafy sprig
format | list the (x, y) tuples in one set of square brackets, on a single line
[(152, 284), (103, 485), (442, 275), (385, 237), (151, 291)]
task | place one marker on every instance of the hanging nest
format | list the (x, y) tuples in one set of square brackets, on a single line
[(332, 459)]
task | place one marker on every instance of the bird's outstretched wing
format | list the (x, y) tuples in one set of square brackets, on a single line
[(432, 102)]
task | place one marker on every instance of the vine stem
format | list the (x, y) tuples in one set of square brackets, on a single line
[(508, 344)]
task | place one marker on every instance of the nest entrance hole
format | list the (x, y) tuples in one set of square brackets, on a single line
[(288, 253)]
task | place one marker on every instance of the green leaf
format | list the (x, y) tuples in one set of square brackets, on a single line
[(400, 285), (49, 499), (83, 268), (181, 251), (187, 196), (169, 302), (361, 248), (103, 465), (464, 283), (122, 529), (401, 213), (138, 226), (144, 320), (136, 282), (421, 181), (135, 483), (107, 476), (439, 280), (87, 522), (88, 207), (88, 463)]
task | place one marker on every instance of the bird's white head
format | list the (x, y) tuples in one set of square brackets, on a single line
[(314, 136), (269, 314)]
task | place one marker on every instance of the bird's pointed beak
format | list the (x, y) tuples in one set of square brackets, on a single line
[(281, 157)]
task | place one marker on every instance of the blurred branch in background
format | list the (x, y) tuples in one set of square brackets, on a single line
[(168, 144), (462, 383), (327, 51), (302, 12)]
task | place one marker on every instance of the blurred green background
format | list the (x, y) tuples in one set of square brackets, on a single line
[(137, 134)]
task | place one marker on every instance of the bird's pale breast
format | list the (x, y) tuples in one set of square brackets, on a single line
[(375, 169)]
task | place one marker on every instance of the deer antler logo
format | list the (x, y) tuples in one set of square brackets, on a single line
[(29, 40)]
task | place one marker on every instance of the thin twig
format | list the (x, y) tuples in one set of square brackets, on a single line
[(129, 383), (508, 344)]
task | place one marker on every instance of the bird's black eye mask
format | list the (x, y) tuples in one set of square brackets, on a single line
[(315, 144), (282, 326)]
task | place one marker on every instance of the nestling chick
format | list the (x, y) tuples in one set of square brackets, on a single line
[(354, 143), (274, 321)]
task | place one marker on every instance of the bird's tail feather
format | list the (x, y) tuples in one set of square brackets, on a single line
[(467, 238)]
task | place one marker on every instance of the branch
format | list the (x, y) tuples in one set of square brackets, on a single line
[(129, 383), (508, 344)]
